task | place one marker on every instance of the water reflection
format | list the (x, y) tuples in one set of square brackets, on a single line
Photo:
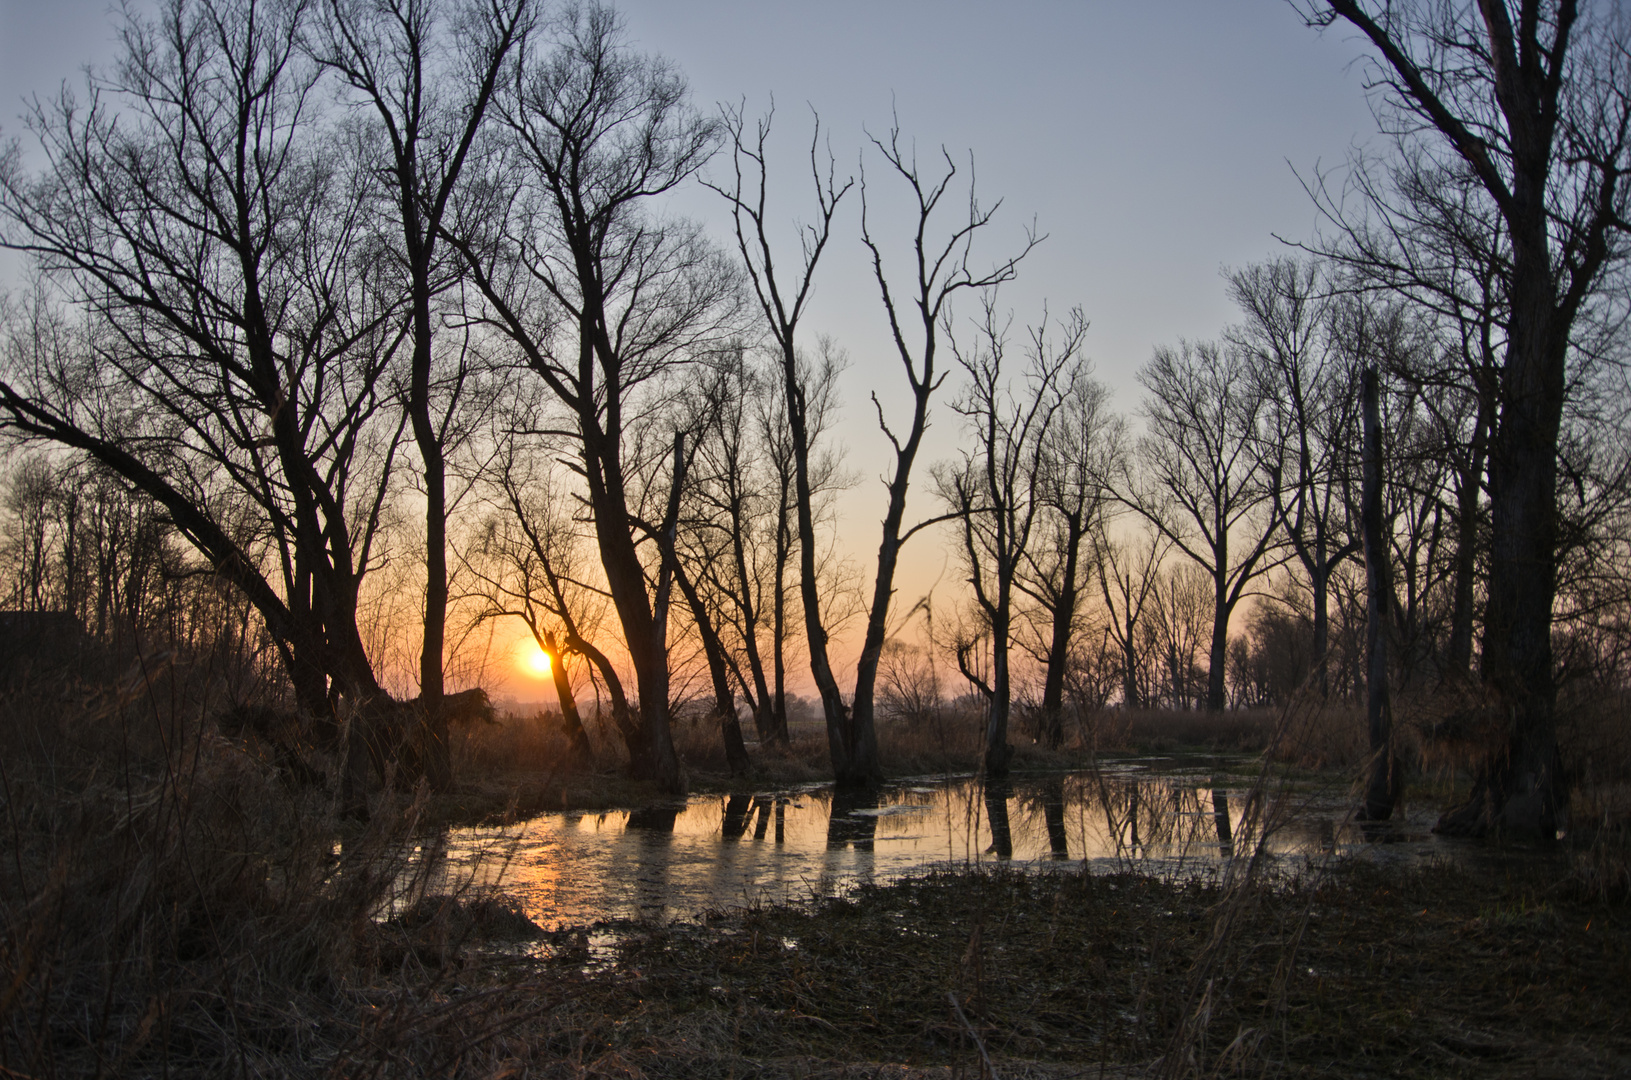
[(720, 851), (997, 794), (1220, 816), (737, 811), (853, 820), (1053, 813)]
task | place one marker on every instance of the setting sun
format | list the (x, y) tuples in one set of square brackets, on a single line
[(535, 660)]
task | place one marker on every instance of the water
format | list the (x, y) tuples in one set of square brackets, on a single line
[(714, 852)]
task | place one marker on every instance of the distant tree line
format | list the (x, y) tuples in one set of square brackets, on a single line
[(344, 303)]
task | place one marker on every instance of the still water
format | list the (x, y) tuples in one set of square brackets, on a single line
[(713, 852)]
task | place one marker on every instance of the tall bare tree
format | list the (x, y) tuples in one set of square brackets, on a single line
[(783, 300), (1290, 333), (940, 269), (603, 300), (428, 76), (998, 489), (1081, 454), (1129, 571), (235, 345)]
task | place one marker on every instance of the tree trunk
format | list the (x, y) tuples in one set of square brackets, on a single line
[(628, 726), (730, 728), (1218, 658), (997, 751), (1063, 620), (1383, 781), (777, 717), (438, 766), (577, 739), (1458, 659), (1320, 580), (1520, 788), (832, 701), (626, 581)]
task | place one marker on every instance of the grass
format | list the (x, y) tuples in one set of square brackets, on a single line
[(170, 905), (174, 903), (1347, 973)]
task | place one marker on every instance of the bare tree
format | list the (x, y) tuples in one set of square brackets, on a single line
[(825, 477), (1083, 450), (731, 546), (430, 99), (941, 269), (806, 395), (1179, 620), (1307, 438), (1129, 573), (1383, 781), (235, 344), (1531, 101), (1198, 482), (595, 130), (527, 561), (998, 488)]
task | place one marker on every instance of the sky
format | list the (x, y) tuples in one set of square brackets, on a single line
[(1154, 144)]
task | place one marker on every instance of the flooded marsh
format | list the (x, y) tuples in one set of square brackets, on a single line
[(1162, 816)]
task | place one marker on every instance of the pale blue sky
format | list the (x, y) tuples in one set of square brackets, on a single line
[(1152, 142)]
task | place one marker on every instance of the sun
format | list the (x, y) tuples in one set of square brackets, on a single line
[(535, 660)]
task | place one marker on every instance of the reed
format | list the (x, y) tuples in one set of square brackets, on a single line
[(173, 902)]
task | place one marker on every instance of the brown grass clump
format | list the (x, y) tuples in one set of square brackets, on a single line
[(174, 903)]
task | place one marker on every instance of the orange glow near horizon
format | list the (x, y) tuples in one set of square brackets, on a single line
[(534, 660)]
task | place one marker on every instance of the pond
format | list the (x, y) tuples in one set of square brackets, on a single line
[(712, 852)]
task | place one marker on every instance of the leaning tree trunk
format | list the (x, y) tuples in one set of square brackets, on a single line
[(644, 631), (577, 739), (730, 728), (1382, 781)]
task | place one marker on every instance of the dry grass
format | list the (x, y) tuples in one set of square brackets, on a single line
[(1351, 972), (170, 904)]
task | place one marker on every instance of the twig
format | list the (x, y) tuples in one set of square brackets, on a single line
[(989, 1069)]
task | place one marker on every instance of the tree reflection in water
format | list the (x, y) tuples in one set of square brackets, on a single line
[(716, 850), (847, 825), (1053, 812), (1220, 815), (997, 792), (738, 808)]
